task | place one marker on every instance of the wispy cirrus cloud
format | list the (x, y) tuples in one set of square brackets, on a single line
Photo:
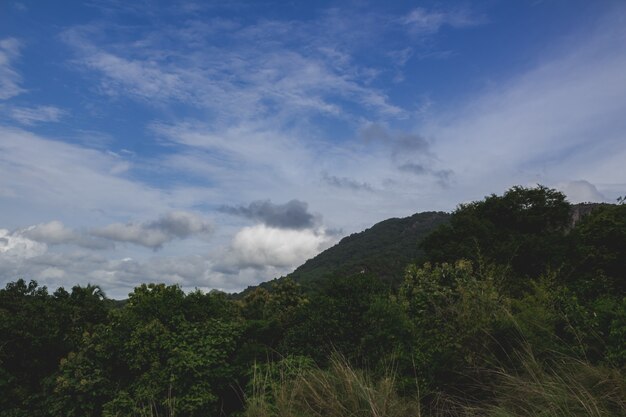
[(10, 79), (275, 68), (421, 20), (39, 114), (38, 171), (539, 126)]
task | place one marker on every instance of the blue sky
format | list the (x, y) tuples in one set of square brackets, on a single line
[(220, 144)]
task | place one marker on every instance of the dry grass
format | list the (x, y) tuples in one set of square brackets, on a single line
[(564, 387), (339, 391)]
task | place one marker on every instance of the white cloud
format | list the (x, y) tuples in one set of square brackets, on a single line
[(423, 21), (251, 72), (31, 115), (55, 233), (10, 79), (562, 119), (71, 182), (581, 191), (262, 246), (16, 247)]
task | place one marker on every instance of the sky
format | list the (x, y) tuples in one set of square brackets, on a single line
[(216, 145)]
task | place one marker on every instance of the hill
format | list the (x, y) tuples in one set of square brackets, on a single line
[(383, 250)]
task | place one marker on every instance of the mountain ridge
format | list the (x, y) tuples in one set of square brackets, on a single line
[(384, 249)]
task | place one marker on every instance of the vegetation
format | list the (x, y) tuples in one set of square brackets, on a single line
[(506, 310), (383, 250)]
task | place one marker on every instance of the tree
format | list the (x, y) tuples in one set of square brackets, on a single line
[(38, 329), (456, 314), (597, 254), (522, 230), (163, 353)]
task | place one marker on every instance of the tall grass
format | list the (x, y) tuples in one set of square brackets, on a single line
[(337, 391), (558, 388)]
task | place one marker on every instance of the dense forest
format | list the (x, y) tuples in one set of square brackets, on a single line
[(507, 307)]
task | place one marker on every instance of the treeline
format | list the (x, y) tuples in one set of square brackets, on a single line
[(516, 312)]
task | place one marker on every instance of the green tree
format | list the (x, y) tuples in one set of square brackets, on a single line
[(163, 353), (524, 229), (348, 315), (597, 255), (37, 329), (456, 315)]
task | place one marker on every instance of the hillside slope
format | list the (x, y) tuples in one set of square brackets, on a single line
[(383, 250)]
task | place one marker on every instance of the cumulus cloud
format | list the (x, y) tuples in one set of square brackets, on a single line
[(17, 247), (293, 214), (10, 79), (55, 233), (262, 246), (581, 191), (174, 225)]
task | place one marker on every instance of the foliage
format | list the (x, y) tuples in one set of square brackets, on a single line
[(38, 329), (596, 255), (453, 311), (350, 315), (159, 354), (522, 229), (383, 250), (337, 391)]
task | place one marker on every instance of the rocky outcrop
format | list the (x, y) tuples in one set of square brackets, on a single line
[(579, 211)]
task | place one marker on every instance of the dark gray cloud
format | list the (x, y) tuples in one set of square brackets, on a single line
[(292, 215), (410, 151), (345, 182), (400, 143), (443, 176), (413, 168), (181, 224)]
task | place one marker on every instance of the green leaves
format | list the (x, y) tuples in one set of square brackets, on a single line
[(163, 353), (452, 308), (37, 330), (522, 229)]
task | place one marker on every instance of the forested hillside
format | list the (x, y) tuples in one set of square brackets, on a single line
[(383, 250), (504, 309)]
